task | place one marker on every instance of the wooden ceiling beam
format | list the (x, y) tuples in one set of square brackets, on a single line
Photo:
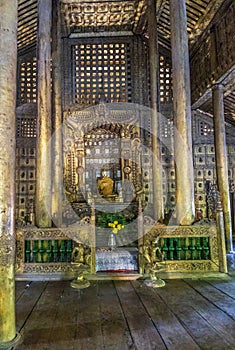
[(205, 19)]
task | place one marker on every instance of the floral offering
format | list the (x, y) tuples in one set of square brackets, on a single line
[(116, 226)]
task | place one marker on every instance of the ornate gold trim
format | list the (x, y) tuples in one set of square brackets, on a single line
[(83, 234), (153, 233), (7, 249)]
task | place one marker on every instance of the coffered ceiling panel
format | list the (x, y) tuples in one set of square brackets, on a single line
[(120, 14)]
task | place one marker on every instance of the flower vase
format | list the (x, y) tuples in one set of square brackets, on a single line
[(112, 243)]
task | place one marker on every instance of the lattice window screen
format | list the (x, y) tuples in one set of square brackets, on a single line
[(165, 79), (26, 127), (102, 68), (25, 181), (28, 80), (167, 128), (205, 129)]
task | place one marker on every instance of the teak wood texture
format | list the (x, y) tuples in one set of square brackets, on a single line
[(119, 315)]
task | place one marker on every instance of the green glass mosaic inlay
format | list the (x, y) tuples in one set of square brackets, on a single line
[(47, 251), (185, 248)]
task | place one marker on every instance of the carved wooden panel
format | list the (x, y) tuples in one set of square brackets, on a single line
[(102, 14), (185, 248), (214, 54)]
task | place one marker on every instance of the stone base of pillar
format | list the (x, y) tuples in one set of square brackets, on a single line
[(12, 344)]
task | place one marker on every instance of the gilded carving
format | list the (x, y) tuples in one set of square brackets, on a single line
[(19, 260), (180, 231), (99, 14), (81, 264), (191, 266), (78, 232), (151, 255), (82, 233), (37, 234), (7, 249), (47, 268), (123, 121), (154, 231), (89, 119)]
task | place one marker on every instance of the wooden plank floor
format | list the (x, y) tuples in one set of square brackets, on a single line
[(118, 315)]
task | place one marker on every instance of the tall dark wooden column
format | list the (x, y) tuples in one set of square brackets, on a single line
[(8, 62), (57, 150), (158, 211), (221, 161), (43, 186), (185, 208)]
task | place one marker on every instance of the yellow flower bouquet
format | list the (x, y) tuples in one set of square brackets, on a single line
[(116, 226)]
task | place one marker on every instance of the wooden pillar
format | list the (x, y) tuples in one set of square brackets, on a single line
[(221, 161), (43, 186), (57, 149), (185, 208), (221, 237), (158, 210), (8, 62)]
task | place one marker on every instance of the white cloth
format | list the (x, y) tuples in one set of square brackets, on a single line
[(116, 260)]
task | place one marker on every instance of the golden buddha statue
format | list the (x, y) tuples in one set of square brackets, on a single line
[(105, 185)]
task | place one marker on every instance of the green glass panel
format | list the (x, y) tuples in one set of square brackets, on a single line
[(40, 252), (164, 247), (62, 251), (68, 250), (35, 251), (171, 248), (55, 250), (178, 249), (192, 247), (27, 251), (206, 248), (48, 250), (185, 248), (199, 248)]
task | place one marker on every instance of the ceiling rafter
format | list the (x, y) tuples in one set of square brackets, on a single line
[(199, 14)]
